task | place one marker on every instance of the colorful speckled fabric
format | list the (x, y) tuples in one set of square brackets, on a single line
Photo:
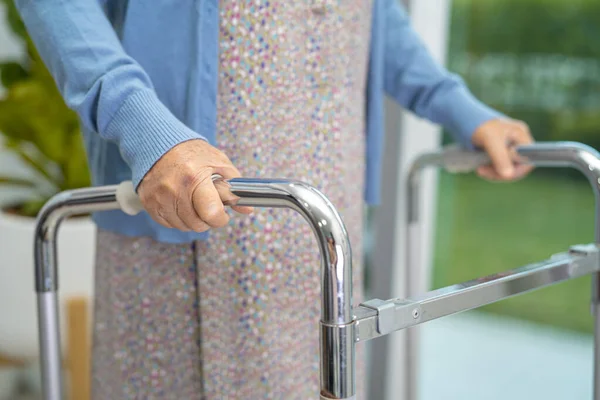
[(236, 316), (146, 332)]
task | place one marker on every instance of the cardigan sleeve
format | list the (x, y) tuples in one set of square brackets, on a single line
[(109, 90), (417, 82)]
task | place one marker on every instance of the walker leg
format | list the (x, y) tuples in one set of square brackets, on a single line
[(415, 284), (596, 293), (50, 345), (338, 355), (412, 362), (596, 314)]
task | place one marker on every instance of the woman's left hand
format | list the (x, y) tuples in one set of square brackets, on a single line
[(498, 139)]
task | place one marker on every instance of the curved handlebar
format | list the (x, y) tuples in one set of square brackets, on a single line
[(337, 367), (337, 322), (324, 219), (550, 154), (456, 159), (130, 203)]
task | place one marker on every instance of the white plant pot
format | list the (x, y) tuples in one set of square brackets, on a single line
[(18, 309)]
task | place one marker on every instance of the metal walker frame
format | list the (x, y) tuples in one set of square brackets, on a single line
[(341, 325)]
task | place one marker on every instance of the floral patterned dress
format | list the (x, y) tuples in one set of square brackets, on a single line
[(236, 316)]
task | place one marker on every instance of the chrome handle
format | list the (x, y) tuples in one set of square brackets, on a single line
[(308, 201), (456, 159), (337, 359), (542, 154)]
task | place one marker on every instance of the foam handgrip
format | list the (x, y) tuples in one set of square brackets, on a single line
[(458, 160), (128, 200)]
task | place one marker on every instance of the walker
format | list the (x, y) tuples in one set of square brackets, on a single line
[(342, 325)]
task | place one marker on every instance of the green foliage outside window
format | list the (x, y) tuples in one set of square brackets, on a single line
[(539, 61)]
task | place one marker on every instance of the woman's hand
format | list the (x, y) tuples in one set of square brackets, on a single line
[(498, 139), (178, 191)]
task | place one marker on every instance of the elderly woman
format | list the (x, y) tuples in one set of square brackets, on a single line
[(171, 92)]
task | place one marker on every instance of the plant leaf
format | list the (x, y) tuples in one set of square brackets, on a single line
[(34, 111), (16, 182), (37, 66), (14, 19), (75, 170), (12, 124), (31, 208), (12, 72), (37, 165), (39, 127)]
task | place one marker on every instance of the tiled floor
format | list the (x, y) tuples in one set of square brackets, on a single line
[(480, 357)]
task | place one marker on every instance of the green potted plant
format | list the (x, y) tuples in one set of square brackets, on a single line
[(42, 134), (38, 127)]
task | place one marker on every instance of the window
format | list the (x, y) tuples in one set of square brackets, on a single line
[(539, 61)]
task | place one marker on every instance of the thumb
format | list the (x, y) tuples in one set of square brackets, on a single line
[(208, 204), (223, 187), (500, 155)]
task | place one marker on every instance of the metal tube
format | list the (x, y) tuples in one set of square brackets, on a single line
[(376, 317), (413, 253), (542, 154), (46, 275), (49, 340), (63, 205), (550, 154), (596, 314), (327, 225), (337, 340)]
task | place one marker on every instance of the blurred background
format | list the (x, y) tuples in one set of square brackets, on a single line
[(533, 60), (536, 60)]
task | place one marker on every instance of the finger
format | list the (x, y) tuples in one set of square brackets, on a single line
[(228, 198), (522, 170), (176, 222), (488, 172), (208, 205), (188, 215), (523, 133), (170, 220), (230, 172), (161, 220), (499, 153), (243, 209), (518, 137)]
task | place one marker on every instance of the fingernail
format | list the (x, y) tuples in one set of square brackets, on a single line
[(507, 172)]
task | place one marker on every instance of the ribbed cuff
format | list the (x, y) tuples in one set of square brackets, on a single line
[(461, 113), (145, 130)]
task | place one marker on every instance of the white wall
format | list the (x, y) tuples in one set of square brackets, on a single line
[(430, 19), (10, 48), (407, 137)]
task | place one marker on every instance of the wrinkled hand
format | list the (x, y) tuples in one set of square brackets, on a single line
[(178, 191), (498, 139)]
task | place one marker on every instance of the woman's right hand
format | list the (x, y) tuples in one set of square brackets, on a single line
[(178, 191)]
